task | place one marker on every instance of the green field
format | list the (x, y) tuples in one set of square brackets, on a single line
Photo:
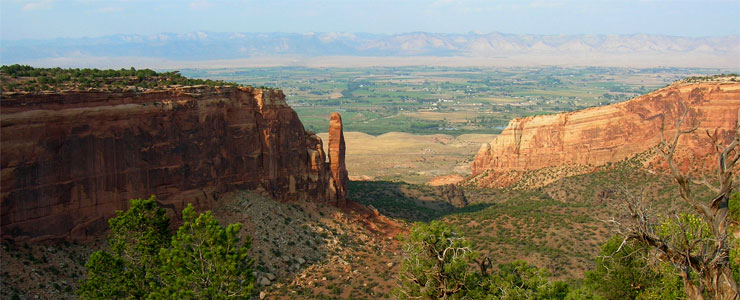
[(429, 100)]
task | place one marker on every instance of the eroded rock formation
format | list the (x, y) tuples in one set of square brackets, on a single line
[(453, 194), (596, 136), (70, 159), (338, 167)]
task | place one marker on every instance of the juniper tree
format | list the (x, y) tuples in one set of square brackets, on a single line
[(206, 261), (130, 270)]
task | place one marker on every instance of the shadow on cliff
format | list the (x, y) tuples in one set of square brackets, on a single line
[(412, 202)]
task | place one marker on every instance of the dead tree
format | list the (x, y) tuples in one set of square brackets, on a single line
[(698, 250)]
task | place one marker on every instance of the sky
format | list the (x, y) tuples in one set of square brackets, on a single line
[(48, 19)]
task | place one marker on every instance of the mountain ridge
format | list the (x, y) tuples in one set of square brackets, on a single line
[(202, 46)]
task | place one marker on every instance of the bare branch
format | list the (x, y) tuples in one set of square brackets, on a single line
[(668, 151), (706, 183)]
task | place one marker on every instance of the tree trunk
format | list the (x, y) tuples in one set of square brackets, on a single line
[(720, 284), (693, 291)]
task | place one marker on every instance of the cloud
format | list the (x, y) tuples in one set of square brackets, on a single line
[(443, 2), (539, 3), (108, 9), (199, 4), (455, 3), (38, 5), (442, 7)]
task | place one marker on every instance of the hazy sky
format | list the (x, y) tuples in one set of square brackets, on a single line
[(41, 19)]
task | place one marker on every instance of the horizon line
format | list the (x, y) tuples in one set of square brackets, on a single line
[(371, 33)]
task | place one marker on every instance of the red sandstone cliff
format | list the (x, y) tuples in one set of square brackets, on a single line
[(70, 159), (610, 133), (336, 160)]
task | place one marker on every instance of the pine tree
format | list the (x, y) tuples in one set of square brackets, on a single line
[(130, 271), (202, 261), (205, 261)]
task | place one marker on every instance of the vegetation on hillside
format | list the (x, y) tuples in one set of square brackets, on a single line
[(201, 261), (733, 77), (561, 223), (22, 78), (440, 263)]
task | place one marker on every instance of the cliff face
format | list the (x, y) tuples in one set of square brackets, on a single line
[(611, 133), (70, 159)]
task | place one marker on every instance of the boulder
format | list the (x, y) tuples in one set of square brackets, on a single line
[(270, 276), (264, 281), (453, 194)]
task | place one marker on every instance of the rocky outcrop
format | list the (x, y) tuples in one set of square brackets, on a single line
[(338, 168), (71, 159), (596, 136), (453, 194), (446, 179)]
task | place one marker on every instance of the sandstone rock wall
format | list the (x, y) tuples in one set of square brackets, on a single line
[(338, 167), (611, 133), (70, 159)]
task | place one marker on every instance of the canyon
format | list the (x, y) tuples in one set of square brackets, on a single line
[(70, 159), (596, 136)]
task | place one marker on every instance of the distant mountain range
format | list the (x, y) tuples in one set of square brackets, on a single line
[(202, 46)]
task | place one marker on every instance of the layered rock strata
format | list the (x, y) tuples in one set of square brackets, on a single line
[(71, 159), (596, 136)]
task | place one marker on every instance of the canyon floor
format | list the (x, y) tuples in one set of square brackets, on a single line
[(409, 157)]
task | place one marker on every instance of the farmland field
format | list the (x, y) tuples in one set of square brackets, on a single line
[(449, 100)]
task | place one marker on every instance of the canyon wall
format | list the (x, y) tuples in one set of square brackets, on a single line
[(71, 159), (596, 136)]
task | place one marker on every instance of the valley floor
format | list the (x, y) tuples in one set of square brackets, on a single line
[(408, 157)]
